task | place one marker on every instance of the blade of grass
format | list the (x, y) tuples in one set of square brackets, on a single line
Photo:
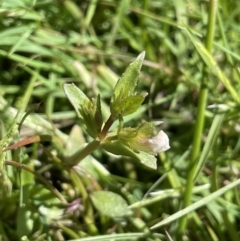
[(163, 177), (121, 9), (21, 40), (197, 205), (200, 117), (31, 140), (40, 177), (35, 122), (90, 13), (217, 121), (161, 195), (22, 104), (33, 63), (116, 237), (212, 66)]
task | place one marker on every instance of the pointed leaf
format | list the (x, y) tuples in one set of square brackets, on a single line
[(212, 65), (110, 204), (128, 80), (126, 84), (89, 112), (98, 115), (76, 97), (128, 105), (88, 118)]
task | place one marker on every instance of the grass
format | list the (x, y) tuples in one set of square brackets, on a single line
[(192, 78)]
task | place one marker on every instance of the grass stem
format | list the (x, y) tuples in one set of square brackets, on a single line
[(203, 95)]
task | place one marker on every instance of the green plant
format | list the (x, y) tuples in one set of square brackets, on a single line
[(54, 186), (139, 142)]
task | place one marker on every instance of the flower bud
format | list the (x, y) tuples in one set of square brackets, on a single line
[(154, 145)]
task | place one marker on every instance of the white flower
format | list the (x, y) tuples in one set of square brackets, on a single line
[(156, 144), (159, 143)]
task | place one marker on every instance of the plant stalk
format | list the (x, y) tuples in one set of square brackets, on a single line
[(40, 177), (80, 155), (106, 127), (198, 130)]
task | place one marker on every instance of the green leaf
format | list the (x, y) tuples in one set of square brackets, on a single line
[(5, 182), (98, 114), (127, 105), (76, 97), (147, 129), (89, 112), (25, 219), (129, 78), (202, 202), (147, 159), (126, 84), (118, 148), (110, 204), (88, 118), (212, 65)]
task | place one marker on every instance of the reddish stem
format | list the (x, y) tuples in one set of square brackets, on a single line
[(106, 127)]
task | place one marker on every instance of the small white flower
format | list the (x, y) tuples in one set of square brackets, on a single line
[(159, 143), (156, 144)]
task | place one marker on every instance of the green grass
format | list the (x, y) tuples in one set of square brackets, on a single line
[(192, 78)]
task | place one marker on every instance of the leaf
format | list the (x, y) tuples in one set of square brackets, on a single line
[(76, 139), (147, 129), (89, 112), (128, 105), (212, 65), (118, 148), (129, 78), (88, 118), (110, 204), (96, 169), (147, 159), (98, 114), (76, 97), (126, 84), (30, 140), (25, 219), (5, 182), (202, 202)]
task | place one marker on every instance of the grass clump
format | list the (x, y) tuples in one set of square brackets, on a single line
[(190, 72)]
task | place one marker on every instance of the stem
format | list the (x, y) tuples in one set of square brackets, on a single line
[(80, 155), (40, 177), (200, 116), (106, 127)]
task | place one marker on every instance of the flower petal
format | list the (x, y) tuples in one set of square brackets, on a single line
[(159, 143)]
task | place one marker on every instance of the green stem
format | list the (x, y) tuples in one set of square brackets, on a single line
[(200, 116), (80, 155)]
